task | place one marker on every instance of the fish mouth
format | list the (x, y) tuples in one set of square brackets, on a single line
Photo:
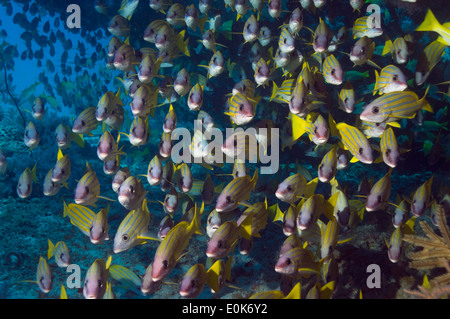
[(323, 178), (80, 200), (95, 241), (123, 199), (117, 250), (279, 195), (102, 155), (364, 117), (90, 296), (154, 180), (184, 293), (211, 255)]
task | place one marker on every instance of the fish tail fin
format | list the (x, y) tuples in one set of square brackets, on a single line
[(201, 23), (108, 262), (274, 91), (254, 179), (197, 218), (430, 23), (387, 47), (377, 78), (66, 209), (310, 188), (226, 29), (78, 139), (181, 43), (298, 127), (33, 173), (294, 293), (51, 249), (425, 105)]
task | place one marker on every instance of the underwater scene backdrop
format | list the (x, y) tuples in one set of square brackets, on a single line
[(224, 149)]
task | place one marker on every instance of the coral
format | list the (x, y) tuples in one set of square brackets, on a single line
[(435, 254)]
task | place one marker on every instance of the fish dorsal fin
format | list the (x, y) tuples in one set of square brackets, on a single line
[(108, 262), (60, 154)]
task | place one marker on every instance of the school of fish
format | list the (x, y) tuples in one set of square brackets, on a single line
[(272, 64)]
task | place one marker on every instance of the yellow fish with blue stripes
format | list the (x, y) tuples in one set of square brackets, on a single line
[(421, 198), (389, 147), (332, 70), (347, 97), (398, 49), (395, 105), (380, 192), (96, 279), (240, 110), (328, 166), (61, 253), (170, 250), (286, 42), (235, 192), (133, 230), (44, 276), (85, 122), (430, 23), (362, 27), (329, 238), (390, 79), (428, 59), (356, 142)]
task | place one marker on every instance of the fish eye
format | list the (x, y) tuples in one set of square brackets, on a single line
[(362, 51), (125, 237), (395, 78), (219, 244), (90, 229), (289, 188), (375, 110), (288, 261), (285, 40), (165, 264), (241, 107), (228, 200), (99, 284), (361, 151), (379, 199), (333, 71), (83, 123), (86, 190), (131, 189)]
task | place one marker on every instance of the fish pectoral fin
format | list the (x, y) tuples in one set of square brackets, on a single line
[(354, 160), (182, 255), (106, 198), (148, 235)]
